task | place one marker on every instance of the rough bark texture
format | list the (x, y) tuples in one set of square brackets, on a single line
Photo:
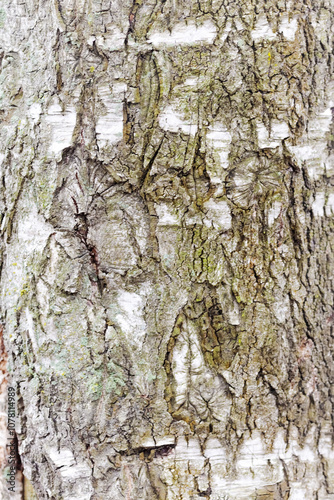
[(167, 246)]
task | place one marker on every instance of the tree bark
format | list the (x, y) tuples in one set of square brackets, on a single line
[(167, 188)]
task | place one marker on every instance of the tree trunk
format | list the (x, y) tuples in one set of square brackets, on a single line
[(167, 186)]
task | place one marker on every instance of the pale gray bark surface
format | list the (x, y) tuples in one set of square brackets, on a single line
[(167, 189)]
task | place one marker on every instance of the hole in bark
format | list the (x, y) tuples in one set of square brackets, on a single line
[(163, 451), (205, 493)]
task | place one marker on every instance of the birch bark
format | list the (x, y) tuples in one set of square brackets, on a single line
[(167, 192)]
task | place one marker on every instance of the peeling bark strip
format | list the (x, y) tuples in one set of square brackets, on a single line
[(167, 194)]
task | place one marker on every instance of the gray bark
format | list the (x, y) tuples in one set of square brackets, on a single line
[(167, 246)]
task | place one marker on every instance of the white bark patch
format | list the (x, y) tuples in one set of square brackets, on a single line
[(214, 450), (190, 371), (313, 150), (305, 454), (62, 124), (172, 121), (321, 123), (288, 27), (281, 309), (218, 214), (75, 472), (321, 23), (330, 205), (168, 215), (278, 132), (263, 137), (43, 299), (112, 40), (325, 443), (220, 139), (54, 258), (234, 315), (188, 449), (226, 31), (252, 452), (35, 111), (318, 205), (192, 82), (297, 492), (71, 472), (109, 126), (263, 30), (254, 467), (314, 156), (274, 212), (31, 328), (62, 458), (185, 34), (304, 153), (180, 369), (31, 235), (131, 318), (32, 231)]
